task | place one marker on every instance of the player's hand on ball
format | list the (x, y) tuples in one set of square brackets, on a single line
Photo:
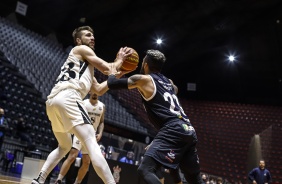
[(131, 61), (123, 53)]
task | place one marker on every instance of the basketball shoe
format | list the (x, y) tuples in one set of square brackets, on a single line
[(35, 181)]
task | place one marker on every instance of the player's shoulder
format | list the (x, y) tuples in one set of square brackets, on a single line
[(141, 76), (86, 100), (80, 49), (101, 103)]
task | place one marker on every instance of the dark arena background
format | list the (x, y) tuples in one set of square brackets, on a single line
[(225, 56)]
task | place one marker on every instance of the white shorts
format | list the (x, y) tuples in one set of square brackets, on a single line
[(77, 145), (66, 110)]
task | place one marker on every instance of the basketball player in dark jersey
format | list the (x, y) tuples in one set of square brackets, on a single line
[(175, 143)]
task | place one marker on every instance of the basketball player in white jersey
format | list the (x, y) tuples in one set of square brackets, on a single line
[(65, 107), (96, 112)]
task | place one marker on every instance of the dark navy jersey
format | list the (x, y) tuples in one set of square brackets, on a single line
[(163, 106)]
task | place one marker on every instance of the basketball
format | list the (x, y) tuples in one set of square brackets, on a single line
[(131, 62)]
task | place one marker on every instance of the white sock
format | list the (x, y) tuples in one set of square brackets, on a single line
[(76, 181), (60, 177)]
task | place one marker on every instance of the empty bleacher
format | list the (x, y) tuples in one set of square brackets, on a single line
[(224, 131)]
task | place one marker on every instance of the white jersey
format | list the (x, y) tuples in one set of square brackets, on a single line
[(75, 74), (95, 112)]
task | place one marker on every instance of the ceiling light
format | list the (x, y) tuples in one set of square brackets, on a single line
[(231, 58), (159, 41)]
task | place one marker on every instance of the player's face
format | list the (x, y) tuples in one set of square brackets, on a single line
[(94, 96), (88, 39)]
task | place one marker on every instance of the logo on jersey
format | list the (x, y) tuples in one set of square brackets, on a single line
[(170, 156), (167, 86), (187, 128), (77, 142)]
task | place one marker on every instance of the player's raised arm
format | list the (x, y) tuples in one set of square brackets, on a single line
[(142, 82), (85, 53)]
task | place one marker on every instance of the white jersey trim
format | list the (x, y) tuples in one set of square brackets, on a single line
[(154, 93)]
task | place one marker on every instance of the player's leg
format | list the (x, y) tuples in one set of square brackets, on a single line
[(190, 166), (67, 163), (147, 170), (76, 146), (174, 173), (162, 180), (86, 134), (64, 140), (160, 175), (83, 169)]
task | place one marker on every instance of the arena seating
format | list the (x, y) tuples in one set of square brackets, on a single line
[(224, 132), (38, 60)]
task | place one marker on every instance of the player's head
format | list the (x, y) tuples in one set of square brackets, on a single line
[(84, 36), (262, 164), (153, 61), (93, 96), (2, 112)]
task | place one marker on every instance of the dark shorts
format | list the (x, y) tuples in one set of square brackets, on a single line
[(175, 144)]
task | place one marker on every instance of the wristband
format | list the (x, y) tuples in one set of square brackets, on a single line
[(114, 83)]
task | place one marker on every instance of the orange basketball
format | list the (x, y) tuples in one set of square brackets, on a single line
[(131, 61)]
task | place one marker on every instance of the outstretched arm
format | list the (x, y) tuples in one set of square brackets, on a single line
[(85, 53), (101, 88), (143, 83)]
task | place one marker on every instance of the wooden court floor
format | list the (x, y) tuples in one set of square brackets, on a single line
[(6, 179), (15, 178), (12, 178)]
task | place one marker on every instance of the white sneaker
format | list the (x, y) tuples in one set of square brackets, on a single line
[(34, 181)]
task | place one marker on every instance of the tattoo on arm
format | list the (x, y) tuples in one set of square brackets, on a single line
[(133, 80)]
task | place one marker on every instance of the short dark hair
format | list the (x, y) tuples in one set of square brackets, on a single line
[(155, 60), (77, 32)]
